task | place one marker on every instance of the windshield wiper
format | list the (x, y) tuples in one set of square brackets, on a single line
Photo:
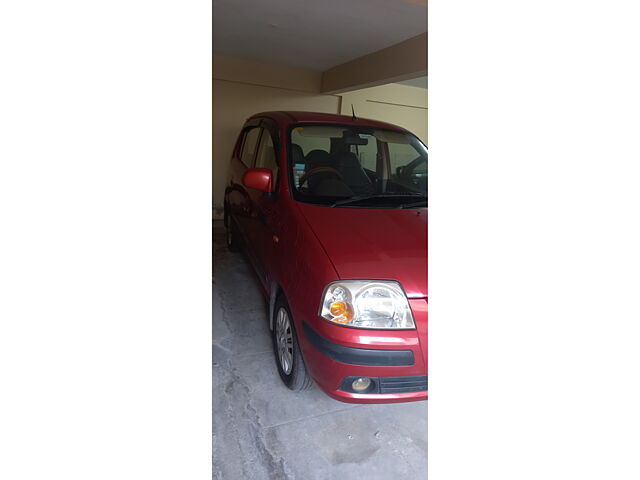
[(367, 197), (415, 204)]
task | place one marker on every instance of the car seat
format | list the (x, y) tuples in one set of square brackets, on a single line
[(317, 159), (353, 174)]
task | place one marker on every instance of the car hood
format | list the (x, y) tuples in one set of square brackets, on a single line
[(382, 244)]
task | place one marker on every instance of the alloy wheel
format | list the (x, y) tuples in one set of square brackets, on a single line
[(284, 340)]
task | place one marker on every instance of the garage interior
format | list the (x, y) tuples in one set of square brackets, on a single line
[(326, 57)]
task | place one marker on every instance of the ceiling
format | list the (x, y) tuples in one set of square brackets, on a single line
[(315, 35)]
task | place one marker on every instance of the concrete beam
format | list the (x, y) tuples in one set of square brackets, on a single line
[(255, 73), (402, 61)]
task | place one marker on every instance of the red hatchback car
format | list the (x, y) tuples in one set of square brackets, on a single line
[(332, 214)]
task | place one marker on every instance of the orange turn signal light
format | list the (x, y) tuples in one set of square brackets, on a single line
[(338, 308), (341, 311)]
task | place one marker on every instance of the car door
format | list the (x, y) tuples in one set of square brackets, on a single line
[(239, 196), (265, 212)]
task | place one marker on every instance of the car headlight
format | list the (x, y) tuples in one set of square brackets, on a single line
[(366, 304)]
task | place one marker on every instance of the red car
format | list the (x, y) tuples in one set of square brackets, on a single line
[(331, 211)]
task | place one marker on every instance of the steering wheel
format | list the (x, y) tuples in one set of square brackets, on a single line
[(317, 170)]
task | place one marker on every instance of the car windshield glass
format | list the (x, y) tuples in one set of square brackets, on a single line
[(356, 166)]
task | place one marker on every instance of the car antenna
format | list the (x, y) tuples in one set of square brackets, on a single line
[(353, 113)]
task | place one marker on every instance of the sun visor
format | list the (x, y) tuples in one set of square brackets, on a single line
[(316, 131), (392, 137)]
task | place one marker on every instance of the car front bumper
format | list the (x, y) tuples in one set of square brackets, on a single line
[(394, 360)]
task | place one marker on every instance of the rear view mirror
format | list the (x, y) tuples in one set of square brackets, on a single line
[(352, 139), (258, 179)]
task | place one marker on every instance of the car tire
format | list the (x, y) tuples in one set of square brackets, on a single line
[(291, 367), (231, 236)]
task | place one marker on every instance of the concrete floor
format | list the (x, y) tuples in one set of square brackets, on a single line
[(262, 430)]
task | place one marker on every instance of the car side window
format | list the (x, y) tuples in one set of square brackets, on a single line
[(267, 155), (249, 146)]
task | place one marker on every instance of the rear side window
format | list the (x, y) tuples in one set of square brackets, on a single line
[(249, 146)]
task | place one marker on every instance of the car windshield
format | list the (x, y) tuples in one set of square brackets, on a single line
[(356, 166)]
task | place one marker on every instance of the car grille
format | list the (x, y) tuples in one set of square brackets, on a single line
[(403, 384)]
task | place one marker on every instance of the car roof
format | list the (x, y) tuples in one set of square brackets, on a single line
[(289, 117)]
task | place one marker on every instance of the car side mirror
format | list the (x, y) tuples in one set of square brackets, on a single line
[(258, 179)]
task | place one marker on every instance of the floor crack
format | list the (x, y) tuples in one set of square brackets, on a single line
[(276, 465)]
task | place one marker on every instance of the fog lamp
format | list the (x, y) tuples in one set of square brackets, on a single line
[(361, 384)]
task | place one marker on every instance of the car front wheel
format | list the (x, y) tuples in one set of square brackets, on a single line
[(291, 367)]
